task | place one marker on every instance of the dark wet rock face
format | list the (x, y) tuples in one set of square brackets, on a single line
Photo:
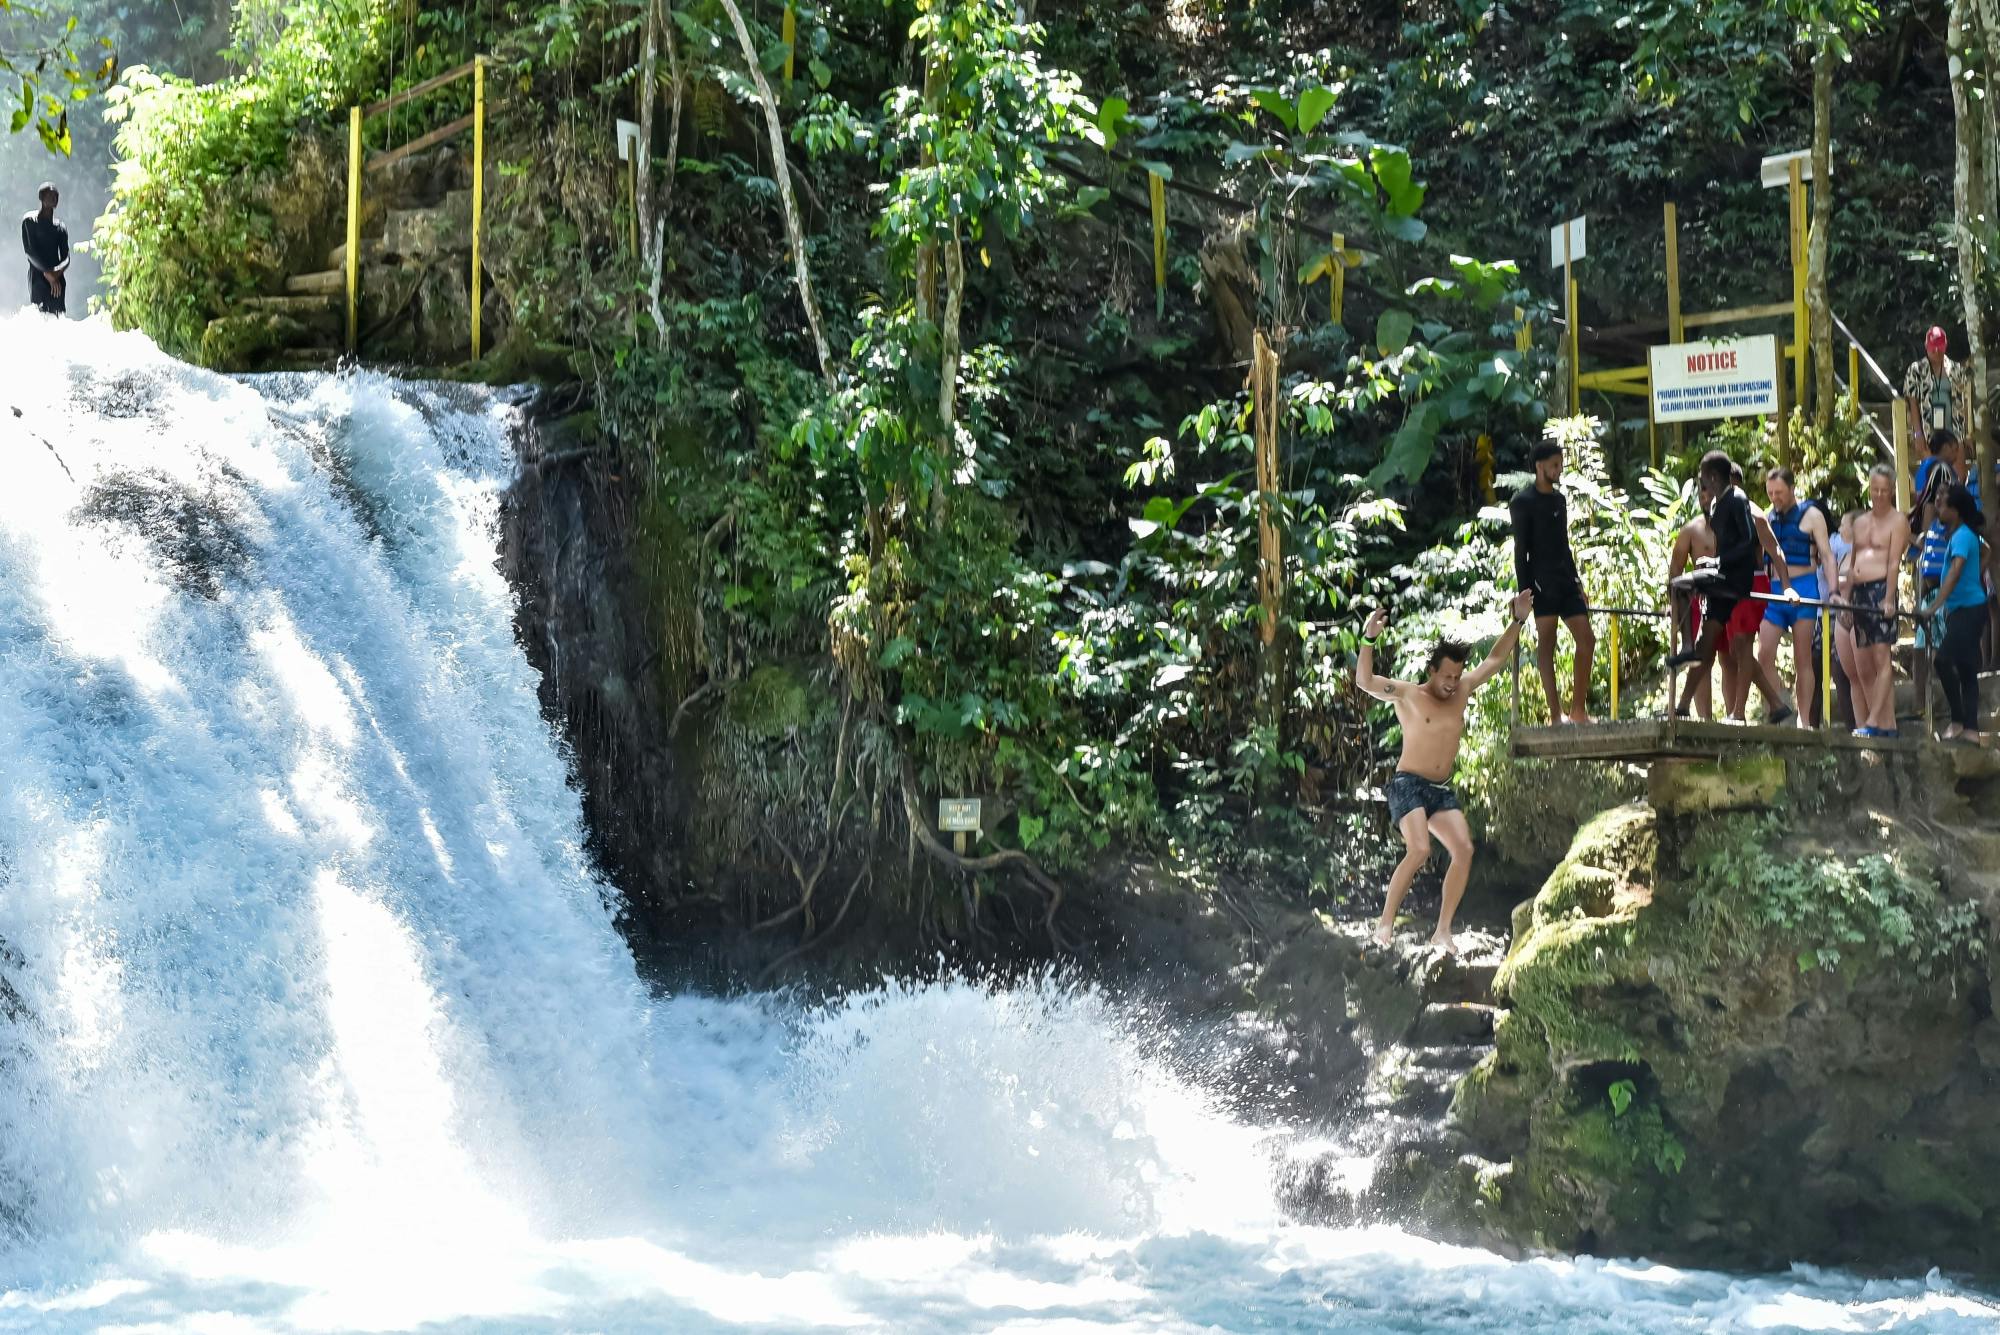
[(195, 537)]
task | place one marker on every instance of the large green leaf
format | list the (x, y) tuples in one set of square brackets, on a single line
[(1392, 332), (1277, 104), (1409, 452), (1394, 173), (1314, 103)]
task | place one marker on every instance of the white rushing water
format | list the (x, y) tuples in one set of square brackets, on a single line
[(321, 1023)]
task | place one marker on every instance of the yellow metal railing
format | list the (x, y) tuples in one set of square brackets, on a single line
[(358, 164)]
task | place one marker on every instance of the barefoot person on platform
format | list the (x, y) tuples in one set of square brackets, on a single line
[(1737, 546), (1544, 564), (1421, 802)]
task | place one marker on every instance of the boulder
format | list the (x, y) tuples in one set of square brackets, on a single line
[(1743, 1039)]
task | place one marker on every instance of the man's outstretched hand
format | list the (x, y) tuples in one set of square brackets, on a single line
[(1378, 620), (1524, 602)]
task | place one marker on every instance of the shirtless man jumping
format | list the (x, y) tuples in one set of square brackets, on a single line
[(1421, 802), (1881, 537)]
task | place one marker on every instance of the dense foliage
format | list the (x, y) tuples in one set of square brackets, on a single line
[(1021, 521)]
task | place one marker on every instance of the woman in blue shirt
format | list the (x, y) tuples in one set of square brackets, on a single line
[(1962, 597)]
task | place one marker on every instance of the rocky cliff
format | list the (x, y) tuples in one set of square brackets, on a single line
[(1750, 1022)]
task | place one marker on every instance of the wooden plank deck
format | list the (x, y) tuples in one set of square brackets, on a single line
[(1687, 739)]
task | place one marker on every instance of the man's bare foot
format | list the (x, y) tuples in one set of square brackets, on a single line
[(1382, 936), (1444, 943), (1580, 718)]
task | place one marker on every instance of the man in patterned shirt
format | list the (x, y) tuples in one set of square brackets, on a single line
[(1938, 392)]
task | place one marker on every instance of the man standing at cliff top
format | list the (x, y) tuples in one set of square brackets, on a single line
[(1544, 566), (1937, 390), (47, 243), (1421, 802)]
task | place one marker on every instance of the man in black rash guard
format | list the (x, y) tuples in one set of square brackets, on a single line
[(1543, 565), (47, 244), (1737, 545)]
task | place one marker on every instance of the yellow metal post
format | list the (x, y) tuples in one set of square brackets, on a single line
[(1614, 668), (1825, 666), (790, 37), (478, 186), (632, 193), (1854, 378), (353, 227), (1652, 421), (1899, 430), (1524, 337)]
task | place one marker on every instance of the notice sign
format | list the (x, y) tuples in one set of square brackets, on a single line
[(1698, 382), (959, 815)]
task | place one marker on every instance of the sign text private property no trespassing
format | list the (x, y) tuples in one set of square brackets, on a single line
[(1697, 382)]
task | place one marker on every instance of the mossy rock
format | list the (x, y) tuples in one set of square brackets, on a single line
[(1789, 1007), (771, 702), (1733, 784), (248, 340)]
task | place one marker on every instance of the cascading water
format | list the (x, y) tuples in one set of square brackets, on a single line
[(314, 1016)]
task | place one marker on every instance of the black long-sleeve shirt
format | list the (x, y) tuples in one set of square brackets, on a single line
[(47, 244), (1542, 558), (1736, 544)]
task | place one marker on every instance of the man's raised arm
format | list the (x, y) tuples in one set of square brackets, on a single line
[(1503, 648), (1365, 680)]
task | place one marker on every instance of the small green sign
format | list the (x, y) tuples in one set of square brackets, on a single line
[(959, 815)]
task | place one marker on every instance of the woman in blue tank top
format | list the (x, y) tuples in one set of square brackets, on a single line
[(1804, 542), (1962, 598)]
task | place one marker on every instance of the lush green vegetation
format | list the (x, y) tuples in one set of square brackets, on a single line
[(1016, 513)]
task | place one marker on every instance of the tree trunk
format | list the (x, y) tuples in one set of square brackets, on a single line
[(781, 168), (948, 336), (1968, 195), (656, 258), (1818, 307)]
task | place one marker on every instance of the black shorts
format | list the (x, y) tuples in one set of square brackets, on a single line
[(1407, 792), (1717, 608), (1560, 600)]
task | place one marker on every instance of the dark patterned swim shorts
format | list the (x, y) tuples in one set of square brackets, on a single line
[(1872, 627), (1407, 792)]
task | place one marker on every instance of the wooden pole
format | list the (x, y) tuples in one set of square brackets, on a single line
[(632, 193), (1854, 378), (1801, 334), (1337, 277), (353, 228), (1157, 188), (1270, 574), (1652, 420), (1676, 330), (478, 189)]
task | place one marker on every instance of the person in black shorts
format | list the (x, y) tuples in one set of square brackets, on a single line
[(1421, 803), (1544, 565), (46, 242), (1737, 546)]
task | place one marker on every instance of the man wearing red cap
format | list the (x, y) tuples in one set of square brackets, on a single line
[(1938, 392)]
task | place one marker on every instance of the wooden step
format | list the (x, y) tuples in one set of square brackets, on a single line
[(333, 282), (372, 252), (302, 308)]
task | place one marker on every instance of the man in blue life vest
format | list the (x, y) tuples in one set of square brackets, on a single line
[(1807, 549)]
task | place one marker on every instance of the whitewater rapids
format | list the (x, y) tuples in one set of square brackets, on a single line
[(314, 1016)]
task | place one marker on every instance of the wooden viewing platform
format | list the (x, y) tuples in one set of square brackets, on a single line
[(1641, 740)]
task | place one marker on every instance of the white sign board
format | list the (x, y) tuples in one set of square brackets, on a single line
[(959, 815), (628, 140), (1576, 250), (1776, 171), (1699, 382)]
